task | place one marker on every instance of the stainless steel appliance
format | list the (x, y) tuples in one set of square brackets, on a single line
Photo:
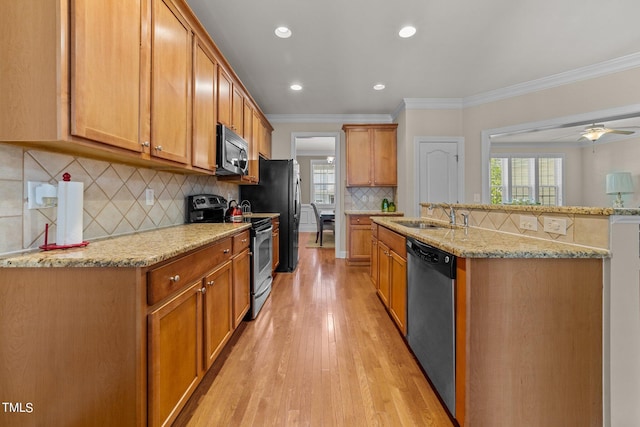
[(262, 258), (431, 323), (204, 208), (231, 152), (279, 192), (211, 208)]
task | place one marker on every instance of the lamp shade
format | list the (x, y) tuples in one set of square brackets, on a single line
[(619, 182)]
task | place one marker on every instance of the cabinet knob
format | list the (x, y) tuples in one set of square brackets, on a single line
[(202, 290), (175, 278), (358, 219), (159, 148), (145, 144), (244, 240), (226, 251), (211, 282)]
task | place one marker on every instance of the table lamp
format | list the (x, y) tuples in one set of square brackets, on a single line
[(619, 183)]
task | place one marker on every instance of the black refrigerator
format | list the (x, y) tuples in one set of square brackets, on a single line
[(279, 191)]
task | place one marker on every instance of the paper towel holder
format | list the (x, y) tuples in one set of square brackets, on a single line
[(51, 246)]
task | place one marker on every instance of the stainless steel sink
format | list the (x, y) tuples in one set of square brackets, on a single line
[(419, 224)]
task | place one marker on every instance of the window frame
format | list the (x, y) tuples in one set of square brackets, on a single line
[(508, 186), (312, 183)]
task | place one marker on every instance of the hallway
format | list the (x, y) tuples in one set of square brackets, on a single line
[(323, 352)]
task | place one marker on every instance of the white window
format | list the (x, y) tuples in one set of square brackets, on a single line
[(527, 179), (323, 183)]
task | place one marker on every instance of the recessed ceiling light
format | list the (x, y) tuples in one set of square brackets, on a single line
[(296, 87), (379, 86), (283, 32), (407, 31)]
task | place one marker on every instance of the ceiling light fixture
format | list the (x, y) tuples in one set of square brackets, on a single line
[(296, 87), (407, 31), (283, 32), (379, 86)]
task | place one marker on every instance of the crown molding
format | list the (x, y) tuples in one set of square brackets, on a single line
[(329, 118), (584, 73)]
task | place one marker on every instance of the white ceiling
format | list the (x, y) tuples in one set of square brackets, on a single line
[(340, 49)]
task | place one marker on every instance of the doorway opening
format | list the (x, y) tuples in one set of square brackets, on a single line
[(318, 155)]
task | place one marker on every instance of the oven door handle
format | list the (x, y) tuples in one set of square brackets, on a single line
[(265, 231)]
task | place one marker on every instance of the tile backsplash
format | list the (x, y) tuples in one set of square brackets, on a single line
[(114, 196), (367, 198)]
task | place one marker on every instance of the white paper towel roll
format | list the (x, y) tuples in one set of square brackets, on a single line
[(69, 222)]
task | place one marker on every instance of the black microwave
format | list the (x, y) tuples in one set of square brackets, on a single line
[(231, 152)]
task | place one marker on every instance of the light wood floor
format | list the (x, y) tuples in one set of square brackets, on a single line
[(322, 352)]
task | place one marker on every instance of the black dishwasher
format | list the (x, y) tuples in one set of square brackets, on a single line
[(431, 315)]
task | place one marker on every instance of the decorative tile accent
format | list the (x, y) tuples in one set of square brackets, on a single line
[(114, 196)]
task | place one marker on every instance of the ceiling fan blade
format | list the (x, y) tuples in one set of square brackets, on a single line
[(621, 132)]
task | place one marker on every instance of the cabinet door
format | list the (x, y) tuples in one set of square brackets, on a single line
[(217, 311), (398, 292), (171, 84), (384, 157), (373, 268), (360, 243), (358, 157), (237, 111), (204, 110), (224, 98), (241, 280), (108, 72), (175, 354), (384, 273)]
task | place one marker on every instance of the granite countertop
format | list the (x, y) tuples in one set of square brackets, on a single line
[(262, 215), (376, 213), (133, 250), (473, 242), (577, 210)]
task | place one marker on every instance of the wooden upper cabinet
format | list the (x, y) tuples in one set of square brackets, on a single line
[(371, 155), (107, 72), (237, 111), (171, 84), (224, 98), (204, 109)]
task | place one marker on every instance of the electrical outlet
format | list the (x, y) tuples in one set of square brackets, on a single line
[(555, 225), (150, 196), (528, 222)]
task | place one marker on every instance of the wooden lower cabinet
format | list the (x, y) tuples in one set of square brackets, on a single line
[(175, 349), (125, 346), (373, 267), (358, 239), (217, 309), (391, 275)]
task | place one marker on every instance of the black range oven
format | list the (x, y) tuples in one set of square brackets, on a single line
[(205, 208)]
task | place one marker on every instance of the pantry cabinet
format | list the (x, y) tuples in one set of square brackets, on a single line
[(371, 155)]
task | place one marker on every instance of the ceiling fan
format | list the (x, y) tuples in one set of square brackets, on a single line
[(595, 132)]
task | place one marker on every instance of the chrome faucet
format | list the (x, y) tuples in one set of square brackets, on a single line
[(451, 213)]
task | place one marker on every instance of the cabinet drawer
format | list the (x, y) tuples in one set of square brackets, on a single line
[(360, 220), (240, 242), (394, 241), (165, 280)]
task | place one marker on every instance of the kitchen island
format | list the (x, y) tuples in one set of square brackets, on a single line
[(119, 332), (528, 321)]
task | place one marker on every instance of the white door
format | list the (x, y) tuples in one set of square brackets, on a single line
[(438, 172)]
